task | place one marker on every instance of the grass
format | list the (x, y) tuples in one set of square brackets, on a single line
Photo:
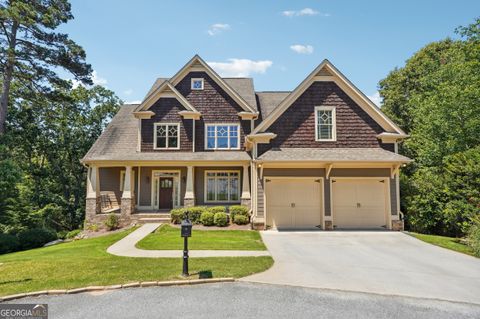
[(168, 238), (86, 263), (451, 243)]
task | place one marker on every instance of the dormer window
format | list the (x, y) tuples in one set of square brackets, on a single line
[(167, 136), (197, 84)]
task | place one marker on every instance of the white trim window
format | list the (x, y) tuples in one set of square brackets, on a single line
[(222, 136), (197, 84), (166, 136), (325, 123), (222, 186)]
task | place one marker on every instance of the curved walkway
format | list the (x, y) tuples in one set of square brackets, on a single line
[(126, 248)]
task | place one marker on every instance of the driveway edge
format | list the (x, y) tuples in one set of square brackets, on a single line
[(114, 287)]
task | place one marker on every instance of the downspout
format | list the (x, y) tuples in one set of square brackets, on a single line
[(193, 135)]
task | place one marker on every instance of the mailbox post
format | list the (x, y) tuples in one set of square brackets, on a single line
[(186, 231)]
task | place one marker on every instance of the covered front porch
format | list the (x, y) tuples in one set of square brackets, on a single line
[(150, 189)]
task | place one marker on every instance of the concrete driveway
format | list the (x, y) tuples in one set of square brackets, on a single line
[(389, 263)]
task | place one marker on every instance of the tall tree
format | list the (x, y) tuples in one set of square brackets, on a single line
[(30, 52)]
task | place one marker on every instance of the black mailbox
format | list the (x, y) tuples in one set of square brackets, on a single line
[(186, 227)]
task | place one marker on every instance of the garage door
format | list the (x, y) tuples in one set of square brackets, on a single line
[(359, 203), (293, 203)]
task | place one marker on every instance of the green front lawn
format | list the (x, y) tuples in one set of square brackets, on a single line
[(168, 238), (445, 242), (86, 263)]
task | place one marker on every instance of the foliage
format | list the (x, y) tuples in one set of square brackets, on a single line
[(217, 209), (73, 233), (473, 238), (111, 222), (220, 219), (36, 237), (241, 219), (207, 219), (194, 214), (31, 53), (8, 243), (237, 210), (434, 98)]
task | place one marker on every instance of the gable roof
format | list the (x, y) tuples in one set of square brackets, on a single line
[(244, 88), (326, 71), (169, 91), (196, 63), (268, 101)]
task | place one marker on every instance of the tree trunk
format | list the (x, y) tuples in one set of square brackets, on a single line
[(7, 77)]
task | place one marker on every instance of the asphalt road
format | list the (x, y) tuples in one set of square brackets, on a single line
[(246, 300)]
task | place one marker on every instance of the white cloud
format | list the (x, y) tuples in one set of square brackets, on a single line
[(304, 12), (97, 80), (376, 98), (218, 28), (134, 102), (128, 92), (240, 67), (302, 49)]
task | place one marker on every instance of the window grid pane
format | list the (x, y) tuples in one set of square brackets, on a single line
[(222, 136), (222, 186), (167, 136), (325, 124)]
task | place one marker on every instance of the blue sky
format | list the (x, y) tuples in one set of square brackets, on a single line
[(278, 43)]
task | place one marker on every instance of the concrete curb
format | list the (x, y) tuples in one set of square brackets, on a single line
[(114, 287)]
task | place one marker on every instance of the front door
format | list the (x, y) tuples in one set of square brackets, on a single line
[(165, 193)]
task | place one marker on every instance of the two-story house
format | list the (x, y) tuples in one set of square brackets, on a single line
[(320, 156)]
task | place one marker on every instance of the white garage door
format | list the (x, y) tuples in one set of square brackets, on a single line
[(359, 203), (293, 203)]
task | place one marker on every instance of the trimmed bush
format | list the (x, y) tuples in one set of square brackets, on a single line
[(220, 219), (177, 215), (217, 209), (194, 213), (207, 219), (73, 233), (237, 210), (36, 237), (8, 243), (241, 219), (111, 222)]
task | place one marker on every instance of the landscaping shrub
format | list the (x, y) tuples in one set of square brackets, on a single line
[(177, 215), (36, 237), (474, 238), (217, 209), (220, 219), (194, 213), (111, 222), (73, 233), (241, 219), (207, 219), (237, 210), (8, 243)]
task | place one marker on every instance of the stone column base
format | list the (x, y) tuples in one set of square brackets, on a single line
[(258, 223), (126, 208), (397, 225), (92, 208), (328, 225), (189, 202), (246, 202)]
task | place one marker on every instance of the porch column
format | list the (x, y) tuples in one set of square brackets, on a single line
[(189, 199), (246, 197), (127, 205), (93, 204)]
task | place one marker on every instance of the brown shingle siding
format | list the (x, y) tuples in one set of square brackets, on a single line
[(296, 126), (166, 111)]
